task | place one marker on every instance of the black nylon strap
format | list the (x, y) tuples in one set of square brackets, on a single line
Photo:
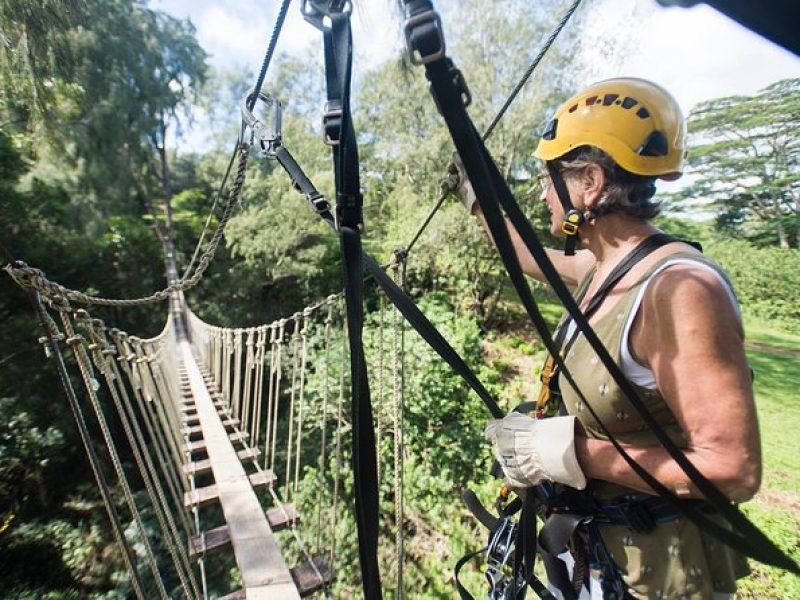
[(338, 60), (492, 191), (562, 193)]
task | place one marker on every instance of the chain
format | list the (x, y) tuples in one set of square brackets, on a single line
[(32, 278)]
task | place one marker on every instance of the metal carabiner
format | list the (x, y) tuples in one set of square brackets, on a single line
[(315, 11), (268, 135)]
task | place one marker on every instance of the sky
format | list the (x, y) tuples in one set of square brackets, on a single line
[(696, 53)]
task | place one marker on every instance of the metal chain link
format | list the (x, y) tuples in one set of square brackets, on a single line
[(32, 278)]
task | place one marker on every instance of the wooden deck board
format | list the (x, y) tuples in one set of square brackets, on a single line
[(219, 537), (199, 467), (306, 578), (263, 570), (197, 446)]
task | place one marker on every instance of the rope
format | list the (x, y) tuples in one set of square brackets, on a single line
[(301, 398), (50, 337), (235, 397), (32, 278), (102, 353), (211, 212), (398, 371), (324, 428), (379, 395), (338, 468), (450, 183), (173, 482), (92, 386), (293, 394), (277, 390)]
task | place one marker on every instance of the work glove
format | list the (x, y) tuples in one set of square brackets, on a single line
[(532, 450), (458, 183)]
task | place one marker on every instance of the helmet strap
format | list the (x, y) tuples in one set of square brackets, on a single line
[(573, 218)]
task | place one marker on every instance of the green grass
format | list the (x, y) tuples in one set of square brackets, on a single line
[(776, 508)]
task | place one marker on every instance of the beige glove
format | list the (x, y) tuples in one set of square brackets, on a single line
[(532, 450), (457, 182)]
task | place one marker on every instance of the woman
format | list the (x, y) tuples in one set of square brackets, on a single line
[(671, 323)]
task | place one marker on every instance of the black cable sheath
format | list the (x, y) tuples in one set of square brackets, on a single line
[(273, 41)]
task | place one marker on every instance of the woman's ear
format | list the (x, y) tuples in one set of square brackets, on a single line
[(593, 179)]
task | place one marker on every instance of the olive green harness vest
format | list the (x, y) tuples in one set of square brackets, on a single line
[(675, 560)]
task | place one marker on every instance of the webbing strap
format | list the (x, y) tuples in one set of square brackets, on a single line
[(338, 60), (493, 192)]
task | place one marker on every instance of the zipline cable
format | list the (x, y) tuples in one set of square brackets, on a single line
[(527, 75), (276, 31)]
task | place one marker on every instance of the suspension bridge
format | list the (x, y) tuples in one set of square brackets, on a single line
[(221, 425)]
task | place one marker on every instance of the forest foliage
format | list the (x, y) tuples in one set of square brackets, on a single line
[(91, 93)]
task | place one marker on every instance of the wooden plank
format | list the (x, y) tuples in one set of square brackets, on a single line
[(232, 422), (264, 573), (201, 467), (281, 517), (208, 494), (215, 539), (200, 445), (307, 579)]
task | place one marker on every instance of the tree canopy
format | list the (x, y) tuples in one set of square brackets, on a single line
[(745, 159)]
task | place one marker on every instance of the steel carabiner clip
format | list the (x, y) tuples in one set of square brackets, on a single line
[(266, 133)]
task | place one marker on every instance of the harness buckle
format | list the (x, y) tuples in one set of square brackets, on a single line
[(349, 211), (572, 222), (332, 123), (268, 134), (424, 38), (319, 202)]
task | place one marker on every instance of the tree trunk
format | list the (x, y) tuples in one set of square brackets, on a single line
[(783, 237)]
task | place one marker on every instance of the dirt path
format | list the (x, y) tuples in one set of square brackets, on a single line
[(761, 347)]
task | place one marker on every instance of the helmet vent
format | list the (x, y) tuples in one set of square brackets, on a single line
[(629, 102), (655, 145), (573, 108), (608, 99), (643, 113), (591, 100)]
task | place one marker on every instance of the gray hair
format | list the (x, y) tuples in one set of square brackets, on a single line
[(624, 192)]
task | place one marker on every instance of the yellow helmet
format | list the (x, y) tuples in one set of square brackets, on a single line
[(638, 123)]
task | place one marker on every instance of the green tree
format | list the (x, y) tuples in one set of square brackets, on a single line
[(745, 159)]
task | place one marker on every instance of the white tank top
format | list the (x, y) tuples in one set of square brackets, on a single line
[(639, 374)]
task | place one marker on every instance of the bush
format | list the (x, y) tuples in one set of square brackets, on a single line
[(766, 280)]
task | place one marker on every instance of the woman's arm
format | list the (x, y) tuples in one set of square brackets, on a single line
[(571, 268), (690, 335)]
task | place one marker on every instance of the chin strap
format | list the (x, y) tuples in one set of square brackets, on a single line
[(573, 218)]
